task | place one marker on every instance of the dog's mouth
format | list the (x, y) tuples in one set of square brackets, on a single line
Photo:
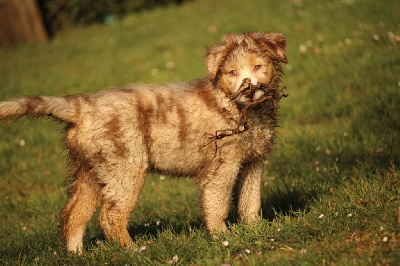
[(270, 93), (249, 92)]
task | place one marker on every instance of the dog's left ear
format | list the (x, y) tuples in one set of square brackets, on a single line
[(274, 43)]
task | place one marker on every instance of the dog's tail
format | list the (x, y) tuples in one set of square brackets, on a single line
[(59, 108)]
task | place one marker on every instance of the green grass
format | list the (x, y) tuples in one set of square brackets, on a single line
[(330, 188)]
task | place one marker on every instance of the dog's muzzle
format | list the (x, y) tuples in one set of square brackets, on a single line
[(248, 92)]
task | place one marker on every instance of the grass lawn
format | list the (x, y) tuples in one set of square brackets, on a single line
[(330, 187)]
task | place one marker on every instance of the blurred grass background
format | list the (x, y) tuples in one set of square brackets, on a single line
[(331, 185)]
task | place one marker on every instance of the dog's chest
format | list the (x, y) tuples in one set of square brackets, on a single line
[(257, 141)]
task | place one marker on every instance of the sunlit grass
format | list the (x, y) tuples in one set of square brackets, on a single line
[(331, 185)]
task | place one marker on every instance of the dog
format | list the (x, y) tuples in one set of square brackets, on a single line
[(116, 136)]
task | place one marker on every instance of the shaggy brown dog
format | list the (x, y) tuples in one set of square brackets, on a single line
[(116, 136)]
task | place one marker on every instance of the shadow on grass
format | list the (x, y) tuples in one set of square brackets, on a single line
[(152, 229), (280, 200), (137, 231), (283, 202)]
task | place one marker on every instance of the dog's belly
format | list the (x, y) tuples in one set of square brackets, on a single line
[(178, 163), (172, 153)]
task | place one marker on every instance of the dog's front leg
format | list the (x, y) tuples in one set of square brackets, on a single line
[(249, 192), (216, 184)]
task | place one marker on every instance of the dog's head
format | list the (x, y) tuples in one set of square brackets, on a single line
[(252, 55)]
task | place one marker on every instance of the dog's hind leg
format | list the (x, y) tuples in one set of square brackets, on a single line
[(120, 195), (84, 199)]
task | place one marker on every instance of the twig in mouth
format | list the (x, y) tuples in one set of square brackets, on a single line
[(271, 92)]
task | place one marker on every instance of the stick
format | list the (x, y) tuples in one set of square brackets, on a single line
[(271, 91)]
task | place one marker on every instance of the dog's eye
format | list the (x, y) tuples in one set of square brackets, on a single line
[(257, 67), (233, 72)]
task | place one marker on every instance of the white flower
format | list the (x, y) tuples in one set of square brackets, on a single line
[(321, 216), (302, 49), (142, 248), (225, 243), (175, 258), (385, 239), (349, 215), (154, 72), (392, 37), (247, 251), (170, 65)]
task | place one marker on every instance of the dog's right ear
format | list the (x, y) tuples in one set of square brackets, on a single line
[(215, 55), (213, 59)]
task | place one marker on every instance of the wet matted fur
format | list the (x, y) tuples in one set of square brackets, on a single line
[(116, 136)]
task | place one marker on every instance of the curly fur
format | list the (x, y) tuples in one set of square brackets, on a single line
[(115, 137)]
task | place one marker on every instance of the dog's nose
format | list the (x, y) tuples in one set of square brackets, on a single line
[(248, 81), (251, 84)]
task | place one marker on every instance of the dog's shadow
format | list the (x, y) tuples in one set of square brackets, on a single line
[(283, 202), (153, 228), (279, 201)]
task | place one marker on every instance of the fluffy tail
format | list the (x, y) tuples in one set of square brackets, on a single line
[(59, 108)]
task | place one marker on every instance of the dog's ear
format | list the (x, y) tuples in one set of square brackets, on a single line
[(274, 43), (213, 59), (215, 55)]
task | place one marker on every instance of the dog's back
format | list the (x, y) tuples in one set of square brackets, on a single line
[(162, 127)]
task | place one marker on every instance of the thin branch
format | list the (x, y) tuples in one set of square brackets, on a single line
[(271, 93)]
